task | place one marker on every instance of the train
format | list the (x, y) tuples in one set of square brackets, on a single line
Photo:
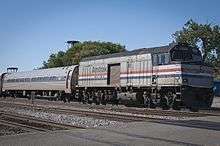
[(171, 76)]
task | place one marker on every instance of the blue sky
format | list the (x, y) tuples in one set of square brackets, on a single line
[(30, 30)]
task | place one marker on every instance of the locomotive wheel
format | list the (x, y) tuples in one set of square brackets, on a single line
[(90, 99), (169, 101), (194, 109), (176, 105), (103, 102), (165, 103), (84, 98), (147, 102), (97, 102), (83, 101), (152, 105)]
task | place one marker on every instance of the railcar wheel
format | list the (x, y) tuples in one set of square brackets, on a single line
[(84, 97)]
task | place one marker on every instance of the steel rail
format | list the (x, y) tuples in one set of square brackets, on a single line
[(34, 120), (133, 111)]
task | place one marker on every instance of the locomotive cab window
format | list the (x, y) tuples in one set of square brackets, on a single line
[(186, 54), (181, 54)]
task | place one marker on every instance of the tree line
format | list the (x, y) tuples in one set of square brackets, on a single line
[(81, 50), (206, 37)]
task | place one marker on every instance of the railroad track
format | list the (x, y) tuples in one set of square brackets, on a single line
[(29, 123), (132, 118), (116, 115), (88, 113), (22, 126), (134, 110)]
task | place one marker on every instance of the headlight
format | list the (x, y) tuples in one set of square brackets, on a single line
[(185, 81)]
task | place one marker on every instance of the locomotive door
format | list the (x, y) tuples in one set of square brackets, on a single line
[(74, 78), (68, 81), (1, 82), (114, 74), (155, 70)]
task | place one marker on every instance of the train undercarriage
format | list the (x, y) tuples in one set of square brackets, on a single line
[(150, 97)]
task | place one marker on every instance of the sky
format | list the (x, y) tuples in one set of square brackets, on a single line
[(30, 30)]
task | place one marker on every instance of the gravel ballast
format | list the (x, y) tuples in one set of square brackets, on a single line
[(83, 121), (8, 130), (87, 122)]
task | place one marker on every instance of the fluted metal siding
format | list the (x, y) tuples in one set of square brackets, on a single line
[(38, 85)]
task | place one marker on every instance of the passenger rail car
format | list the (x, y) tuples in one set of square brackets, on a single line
[(168, 76), (52, 82)]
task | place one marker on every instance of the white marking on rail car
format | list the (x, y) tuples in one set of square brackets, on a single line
[(172, 66), (92, 76), (135, 74)]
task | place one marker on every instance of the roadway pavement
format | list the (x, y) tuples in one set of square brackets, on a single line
[(202, 131)]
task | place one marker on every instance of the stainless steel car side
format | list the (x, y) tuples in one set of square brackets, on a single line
[(44, 82)]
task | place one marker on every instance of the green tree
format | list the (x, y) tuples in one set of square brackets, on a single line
[(81, 50), (204, 36), (89, 48), (55, 60)]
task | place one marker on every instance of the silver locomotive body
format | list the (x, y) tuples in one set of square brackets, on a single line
[(171, 75), (135, 70)]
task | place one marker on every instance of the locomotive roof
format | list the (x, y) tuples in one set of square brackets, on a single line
[(161, 49)]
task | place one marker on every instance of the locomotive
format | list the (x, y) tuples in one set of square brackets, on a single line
[(171, 76)]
